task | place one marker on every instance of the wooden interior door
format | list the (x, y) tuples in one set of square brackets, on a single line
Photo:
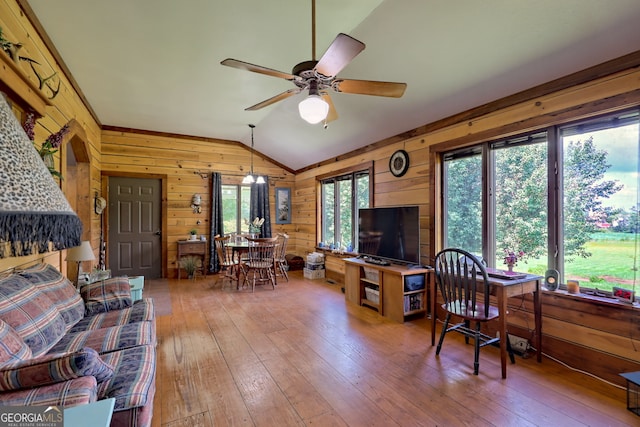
[(135, 243)]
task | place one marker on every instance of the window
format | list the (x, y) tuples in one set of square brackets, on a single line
[(520, 200), (463, 200), (341, 198), (235, 208), (513, 214), (580, 217), (599, 245)]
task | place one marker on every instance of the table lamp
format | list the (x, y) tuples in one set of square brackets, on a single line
[(79, 254)]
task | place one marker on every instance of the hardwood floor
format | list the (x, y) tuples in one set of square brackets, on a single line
[(300, 355)]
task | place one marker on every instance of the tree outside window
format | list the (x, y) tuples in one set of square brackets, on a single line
[(235, 208)]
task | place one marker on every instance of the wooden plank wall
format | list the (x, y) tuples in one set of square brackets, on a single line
[(574, 330), (67, 105), (187, 163)]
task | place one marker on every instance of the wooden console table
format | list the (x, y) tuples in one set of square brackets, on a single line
[(193, 248), (397, 298)]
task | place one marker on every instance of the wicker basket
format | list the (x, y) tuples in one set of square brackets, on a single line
[(371, 274), (372, 295)]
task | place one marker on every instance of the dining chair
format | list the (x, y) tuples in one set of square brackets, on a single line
[(464, 287), (280, 259), (228, 264), (260, 263)]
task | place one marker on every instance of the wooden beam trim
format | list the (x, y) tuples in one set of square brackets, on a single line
[(577, 112), (354, 168)]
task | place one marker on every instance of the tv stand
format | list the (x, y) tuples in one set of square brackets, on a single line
[(401, 291)]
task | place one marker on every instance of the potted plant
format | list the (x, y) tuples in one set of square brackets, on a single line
[(255, 227), (190, 265), (193, 234)]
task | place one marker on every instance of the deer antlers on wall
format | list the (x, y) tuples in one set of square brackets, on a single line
[(12, 49)]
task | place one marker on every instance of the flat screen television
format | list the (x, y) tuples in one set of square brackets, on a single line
[(390, 233)]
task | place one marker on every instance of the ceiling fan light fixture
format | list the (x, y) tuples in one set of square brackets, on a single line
[(313, 109), (248, 179), (260, 180)]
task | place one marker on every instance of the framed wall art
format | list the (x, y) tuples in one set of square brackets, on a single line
[(283, 205)]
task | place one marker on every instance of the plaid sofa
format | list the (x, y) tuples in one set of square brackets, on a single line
[(60, 347)]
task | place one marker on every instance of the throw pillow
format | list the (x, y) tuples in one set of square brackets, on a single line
[(59, 289), (106, 295), (30, 313)]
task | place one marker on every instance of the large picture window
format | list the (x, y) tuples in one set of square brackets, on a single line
[(600, 204), (566, 197), (341, 198), (501, 208)]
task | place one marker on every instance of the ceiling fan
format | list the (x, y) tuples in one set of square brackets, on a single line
[(320, 76)]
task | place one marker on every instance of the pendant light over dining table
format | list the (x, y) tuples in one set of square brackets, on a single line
[(249, 178)]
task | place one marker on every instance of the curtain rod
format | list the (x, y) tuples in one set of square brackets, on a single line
[(205, 175)]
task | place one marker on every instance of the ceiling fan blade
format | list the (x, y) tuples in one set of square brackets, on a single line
[(341, 51), (369, 87), (273, 100), (332, 114), (229, 62)]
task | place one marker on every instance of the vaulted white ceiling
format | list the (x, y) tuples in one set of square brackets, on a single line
[(155, 64)]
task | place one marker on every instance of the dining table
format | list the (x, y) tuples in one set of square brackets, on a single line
[(238, 250)]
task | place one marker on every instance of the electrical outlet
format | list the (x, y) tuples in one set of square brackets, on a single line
[(518, 344)]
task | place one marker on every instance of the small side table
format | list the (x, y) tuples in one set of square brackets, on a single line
[(633, 391), (137, 284), (195, 248), (97, 413)]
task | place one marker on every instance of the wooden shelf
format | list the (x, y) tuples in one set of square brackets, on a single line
[(370, 303)]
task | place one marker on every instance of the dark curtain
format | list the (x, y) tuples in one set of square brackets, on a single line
[(259, 206), (216, 220)]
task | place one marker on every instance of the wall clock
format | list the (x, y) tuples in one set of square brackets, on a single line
[(399, 163)]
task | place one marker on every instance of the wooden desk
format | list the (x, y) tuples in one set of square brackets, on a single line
[(195, 248), (504, 289)]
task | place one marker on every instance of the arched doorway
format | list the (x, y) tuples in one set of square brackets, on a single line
[(76, 185)]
